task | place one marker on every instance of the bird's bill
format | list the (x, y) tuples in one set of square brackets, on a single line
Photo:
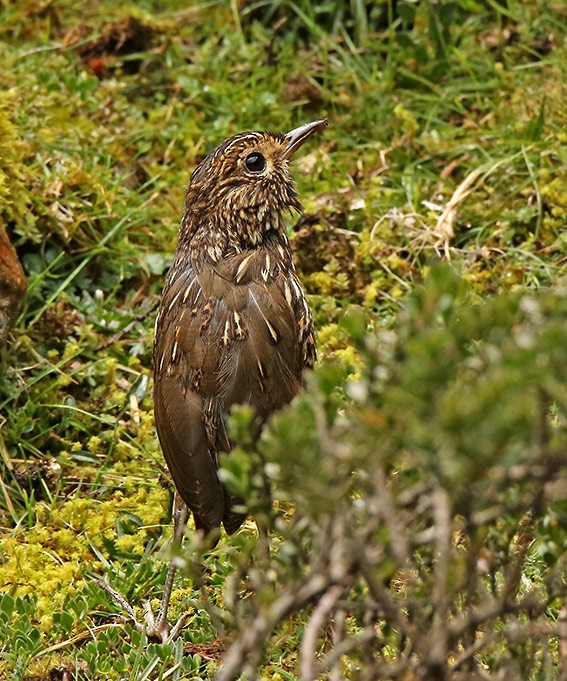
[(295, 138)]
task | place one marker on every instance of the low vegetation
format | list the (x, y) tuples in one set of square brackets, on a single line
[(418, 514)]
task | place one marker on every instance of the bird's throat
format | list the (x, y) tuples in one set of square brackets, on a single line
[(218, 238)]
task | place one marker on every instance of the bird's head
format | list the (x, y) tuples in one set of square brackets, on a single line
[(244, 184)]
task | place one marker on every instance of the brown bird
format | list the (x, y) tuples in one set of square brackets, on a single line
[(233, 326)]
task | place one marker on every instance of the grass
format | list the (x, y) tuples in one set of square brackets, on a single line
[(446, 139)]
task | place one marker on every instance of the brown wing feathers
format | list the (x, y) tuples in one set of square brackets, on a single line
[(234, 339)]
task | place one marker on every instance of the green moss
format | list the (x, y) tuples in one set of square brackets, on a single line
[(14, 198), (93, 168), (48, 565), (49, 561), (322, 283), (554, 190)]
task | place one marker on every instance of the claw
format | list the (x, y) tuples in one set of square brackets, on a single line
[(156, 629), (159, 629)]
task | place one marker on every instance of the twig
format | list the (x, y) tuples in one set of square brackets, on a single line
[(473, 649), (562, 634), (338, 640), (77, 638), (208, 607), (312, 629), (244, 653), (391, 516), (342, 648), (437, 643)]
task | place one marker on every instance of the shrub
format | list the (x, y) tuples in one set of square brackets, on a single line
[(429, 524)]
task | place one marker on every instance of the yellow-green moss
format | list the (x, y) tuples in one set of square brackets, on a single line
[(41, 566), (406, 118), (554, 190), (13, 197), (49, 560), (320, 282), (333, 342)]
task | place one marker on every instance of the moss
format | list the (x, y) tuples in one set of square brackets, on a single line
[(94, 444), (334, 342), (14, 198), (329, 336), (372, 292), (49, 560), (407, 119), (54, 666), (34, 567), (322, 283), (554, 191)]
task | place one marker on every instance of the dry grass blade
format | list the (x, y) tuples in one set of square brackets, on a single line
[(445, 227)]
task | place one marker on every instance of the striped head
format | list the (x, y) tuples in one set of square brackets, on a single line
[(244, 184)]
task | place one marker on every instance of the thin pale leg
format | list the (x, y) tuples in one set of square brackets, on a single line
[(159, 628), (263, 539), (264, 521)]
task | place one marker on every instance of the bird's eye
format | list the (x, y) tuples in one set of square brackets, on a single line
[(255, 162)]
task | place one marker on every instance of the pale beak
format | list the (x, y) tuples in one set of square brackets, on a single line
[(295, 138)]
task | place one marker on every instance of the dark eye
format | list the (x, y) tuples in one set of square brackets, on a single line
[(255, 162)]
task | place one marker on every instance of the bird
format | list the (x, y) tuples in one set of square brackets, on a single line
[(233, 325)]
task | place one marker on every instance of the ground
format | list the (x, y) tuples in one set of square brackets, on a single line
[(446, 141)]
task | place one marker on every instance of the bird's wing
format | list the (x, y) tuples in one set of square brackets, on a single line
[(184, 412), (221, 340)]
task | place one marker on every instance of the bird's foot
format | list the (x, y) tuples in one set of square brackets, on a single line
[(123, 603), (157, 629)]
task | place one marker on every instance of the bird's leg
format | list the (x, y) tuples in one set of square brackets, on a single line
[(119, 598), (264, 517), (263, 539), (158, 628)]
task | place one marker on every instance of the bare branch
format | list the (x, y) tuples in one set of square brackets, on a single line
[(312, 629), (245, 652), (562, 633), (339, 631), (438, 643)]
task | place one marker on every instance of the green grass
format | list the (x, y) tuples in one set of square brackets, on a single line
[(446, 139)]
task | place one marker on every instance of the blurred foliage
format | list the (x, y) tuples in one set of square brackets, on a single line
[(446, 141), (418, 496)]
